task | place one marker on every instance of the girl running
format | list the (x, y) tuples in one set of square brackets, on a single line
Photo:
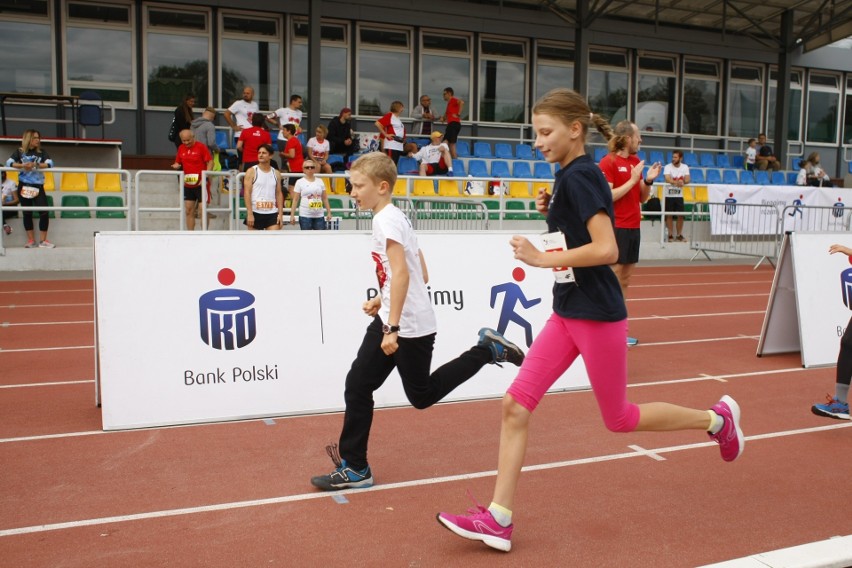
[(589, 319)]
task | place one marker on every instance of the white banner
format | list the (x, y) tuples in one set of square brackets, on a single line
[(199, 327), (765, 203)]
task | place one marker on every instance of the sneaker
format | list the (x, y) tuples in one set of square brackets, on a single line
[(501, 348), (343, 477), (730, 437), (7, 229), (478, 524), (46, 245), (833, 408), (30, 245), (632, 342)]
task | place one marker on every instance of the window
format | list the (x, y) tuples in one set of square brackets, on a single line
[(656, 93), (502, 81), (794, 118), (700, 104), (384, 69), (334, 75), (90, 67), (251, 55), (823, 108), (26, 23), (554, 68), (745, 93), (847, 122), (608, 83), (177, 57), (445, 62)]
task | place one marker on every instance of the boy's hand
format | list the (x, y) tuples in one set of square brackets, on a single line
[(371, 307), (389, 344)]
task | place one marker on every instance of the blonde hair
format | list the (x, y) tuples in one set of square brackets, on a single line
[(323, 128), (396, 106), (27, 139), (570, 107), (377, 166)]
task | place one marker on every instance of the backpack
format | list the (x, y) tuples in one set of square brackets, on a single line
[(173, 134)]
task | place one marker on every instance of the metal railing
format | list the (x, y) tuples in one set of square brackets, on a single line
[(745, 229)]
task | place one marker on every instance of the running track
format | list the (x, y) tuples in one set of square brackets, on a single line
[(237, 494)]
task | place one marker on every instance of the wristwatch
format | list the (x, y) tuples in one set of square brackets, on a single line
[(386, 329), (648, 183)]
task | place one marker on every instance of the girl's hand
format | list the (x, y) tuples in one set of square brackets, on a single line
[(841, 249), (525, 251), (371, 307), (542, 201)]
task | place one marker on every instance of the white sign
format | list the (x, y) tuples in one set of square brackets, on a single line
[(199, 327)]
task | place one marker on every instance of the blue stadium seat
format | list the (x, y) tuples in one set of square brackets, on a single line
[(723, 161), (524, 152), (407, 166), (713, 176), (850, 167), (462, 149), (482, 150), (521, 169), (778, 178), (223, 139), (656, 156), (542, 170), (600, 153), (730, 177), (503, 151), (706, 160), (746, 177), (696, 175), (459, 168), (538, 154), (500, 169), (477, 168), (641, 154), (690, 159), (791, 178), (761, 177), (336, 159), (737, 162)]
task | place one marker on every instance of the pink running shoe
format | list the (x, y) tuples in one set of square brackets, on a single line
[(478, 524), (730, 437)]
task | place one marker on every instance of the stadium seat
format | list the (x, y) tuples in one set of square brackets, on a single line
[(690, 159), (538, 154), (482, 150), (400, 187), (477, 168), (493, 206), (723, 161), (713, 176), (75, 201), (74, 181), (600, 152), (50, 214), (462, 149), (706, 160), (656, 156), (761, 177), (448, 188), (500, 169), (223, 139), (737, 162), (107, 182), (641, 154), (12, 176), (730, 177), (336, 159), (423, 188), (407, 166), (542, 170), (747, 177), (524, 152), (109, 201), (534, 214), (696, 175), (850, 167), (521, 170), (791, 178), (338, 186), (459, 168), (503, 151), (519, 189), (514, 207), (778, 178), (336, 205)]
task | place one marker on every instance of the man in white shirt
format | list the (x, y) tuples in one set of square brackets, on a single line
[(239, 114), (677, 175), (435, 157), (291, 114)]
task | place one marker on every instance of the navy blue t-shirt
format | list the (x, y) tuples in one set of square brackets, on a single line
[(579, 193)]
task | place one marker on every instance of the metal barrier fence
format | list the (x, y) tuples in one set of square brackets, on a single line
[(434, 214), (735, 228)]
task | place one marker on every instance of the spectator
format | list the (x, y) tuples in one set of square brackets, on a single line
[(238, 115), (765, 158), (816, 176), (392, 131), (184, 116), (204, 131), (340, 134), (31, 159), (262, 186), (434, 157), (291, 114), (292, 153), (251, 139), (424, 116), (751, 155), (310, 197), (9, 196), (677, 175), (452, 116), (318, 148), (193, 157)]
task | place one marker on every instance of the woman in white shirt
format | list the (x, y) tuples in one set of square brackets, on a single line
[(262, 190), (318, 148), (310, 197)]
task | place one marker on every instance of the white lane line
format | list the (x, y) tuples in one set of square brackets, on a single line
[(668, 285), (27, 306), (649, 453), (385, 487), (34, 349), (701, 297), (52, 384), (9, 324), (706, 315), (40, 292), (688, 341)]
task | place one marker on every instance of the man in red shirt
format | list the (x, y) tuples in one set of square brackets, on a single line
[(622, 168), (250, 140), (452, 116), (194, 158)]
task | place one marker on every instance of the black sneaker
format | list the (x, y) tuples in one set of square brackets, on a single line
[(502, 349), (343, 477)]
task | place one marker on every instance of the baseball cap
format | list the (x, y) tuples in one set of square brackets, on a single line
[(436, 134)]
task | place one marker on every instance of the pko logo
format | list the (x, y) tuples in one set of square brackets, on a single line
[(846, 285), (227, 315)]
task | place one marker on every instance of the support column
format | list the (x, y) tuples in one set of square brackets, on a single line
[(581, 50), (782, 89), (313, 96)]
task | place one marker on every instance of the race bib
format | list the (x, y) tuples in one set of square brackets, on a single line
[(264, 205), (29, 192), (674, 191), (554, 242), (191, 179), (315, 204)]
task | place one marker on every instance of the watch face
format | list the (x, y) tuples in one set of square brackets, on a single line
[(385, 328)]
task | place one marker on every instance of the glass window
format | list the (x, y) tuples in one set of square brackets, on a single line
[(177, 58), (847, 121), (502, 81), (554, 68), (609, 84), (89, 67), (655, 94), (25, 23), (794, 117), (445, 62), (251, 55), (384, 70), (701, 84), (823, 108), (745, 93), (334, 75)]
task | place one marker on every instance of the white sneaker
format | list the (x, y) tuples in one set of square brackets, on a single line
[(46, 245)]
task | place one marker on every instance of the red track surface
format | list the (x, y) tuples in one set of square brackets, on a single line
[(237, 494)]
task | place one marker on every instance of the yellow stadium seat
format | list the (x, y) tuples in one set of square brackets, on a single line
[(107, 182), (424, 188), (519, 189), (536, 187), (400, 188), (327, 183), (338, 186), (49, 184), (448, 188), (74, 181), (701, 193), (13, 176)]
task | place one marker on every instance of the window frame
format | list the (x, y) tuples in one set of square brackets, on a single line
[(627, 70), (685, 60), (483, 57), (361, 47), (294, 39), (838, 90), (795, 85), (567, 64), (465, 56), (223, 35), (50, 21), (640, 71)]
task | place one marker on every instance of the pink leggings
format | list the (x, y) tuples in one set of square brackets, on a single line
[(603, 346)]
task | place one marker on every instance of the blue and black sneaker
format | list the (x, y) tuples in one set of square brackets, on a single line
[(343, 477), (833, 408), (501, 348)]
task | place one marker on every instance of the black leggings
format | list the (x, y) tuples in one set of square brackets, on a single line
[(28, 204), (844, 358)]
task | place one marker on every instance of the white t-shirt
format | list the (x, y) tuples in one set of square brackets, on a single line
[(418, 317), (431, 154), (8, 191), (675, 172), (287, 115), (310, 202), (242, 112), (399, 130), (751, 155), (317, 148), (263, 191)]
